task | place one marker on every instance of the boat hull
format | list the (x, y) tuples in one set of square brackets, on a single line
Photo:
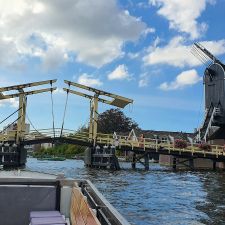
[(23, 191)]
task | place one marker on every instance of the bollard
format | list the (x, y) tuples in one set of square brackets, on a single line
[(133, 164), (146, 157)]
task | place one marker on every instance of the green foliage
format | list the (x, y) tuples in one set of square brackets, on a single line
[(108, 122), (115, 120), (66, 150)]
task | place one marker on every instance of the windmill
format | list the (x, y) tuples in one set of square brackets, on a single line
[(94, 96), (213, 126)]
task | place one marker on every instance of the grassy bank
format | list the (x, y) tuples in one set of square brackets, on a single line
[(66, 150)]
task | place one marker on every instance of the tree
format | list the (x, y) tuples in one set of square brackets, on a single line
[(114, 120)]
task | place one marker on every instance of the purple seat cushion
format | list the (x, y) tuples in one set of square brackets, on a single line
[(48, 220), (50, 224), (41, 214)]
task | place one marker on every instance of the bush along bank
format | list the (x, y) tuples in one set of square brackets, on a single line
[(65, 150)]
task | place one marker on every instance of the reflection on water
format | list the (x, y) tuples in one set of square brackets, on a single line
[(158, 196), (214, 205)]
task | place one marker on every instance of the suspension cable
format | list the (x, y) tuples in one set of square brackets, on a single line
[(64, 114), (10, 124), (53, 117), (131, 107), (33, 125), (10, 115)]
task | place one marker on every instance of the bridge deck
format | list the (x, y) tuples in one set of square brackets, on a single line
[(124, 143)]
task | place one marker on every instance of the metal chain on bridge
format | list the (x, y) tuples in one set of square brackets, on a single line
[(10, 115), (53, 117), (64, 114), (10, 125), (33, 125)]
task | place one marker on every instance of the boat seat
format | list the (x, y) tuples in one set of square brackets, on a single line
[(46, 218), (41, 214), (48, 221), (23, 197)]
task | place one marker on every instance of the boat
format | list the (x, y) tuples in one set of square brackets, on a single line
[(28, 197), (52, 158), (79, 157)]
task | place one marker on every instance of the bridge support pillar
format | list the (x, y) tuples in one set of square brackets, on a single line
[(174, 163), (12, 155), (191, 163), (146, 161), (214, 165), (133, 164)]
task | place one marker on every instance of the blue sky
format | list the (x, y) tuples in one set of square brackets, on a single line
[(138, 49)]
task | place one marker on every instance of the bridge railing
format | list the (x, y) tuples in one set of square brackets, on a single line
[(9, 136), (119, 141), (50, 133), (148, 143)]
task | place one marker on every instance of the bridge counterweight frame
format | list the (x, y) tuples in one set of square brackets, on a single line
[(22, 95), (116, 100)]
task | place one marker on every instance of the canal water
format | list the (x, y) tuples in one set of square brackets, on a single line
[(155, 197)]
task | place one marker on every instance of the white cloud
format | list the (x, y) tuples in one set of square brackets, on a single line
[(215, 47), (148, 31), (132, 55), (88, 80), (120, 73), (12, 102), (93, 31), (186, 78), (155, 44), (54, 57), (59, 91), (177, 54), (183, 15), (8, 52), (143, 5), (144, 80)]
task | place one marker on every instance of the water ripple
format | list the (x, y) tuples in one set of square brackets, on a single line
[(156, 197)]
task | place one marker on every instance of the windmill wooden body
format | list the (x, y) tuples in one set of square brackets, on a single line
[(213, 126)]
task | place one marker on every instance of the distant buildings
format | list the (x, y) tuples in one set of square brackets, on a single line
[(13, 127), (168, 135), (160, 135)]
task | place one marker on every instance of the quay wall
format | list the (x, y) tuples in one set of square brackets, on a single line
[(184, 163)]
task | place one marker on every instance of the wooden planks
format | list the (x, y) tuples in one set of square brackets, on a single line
[(80, 212)]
